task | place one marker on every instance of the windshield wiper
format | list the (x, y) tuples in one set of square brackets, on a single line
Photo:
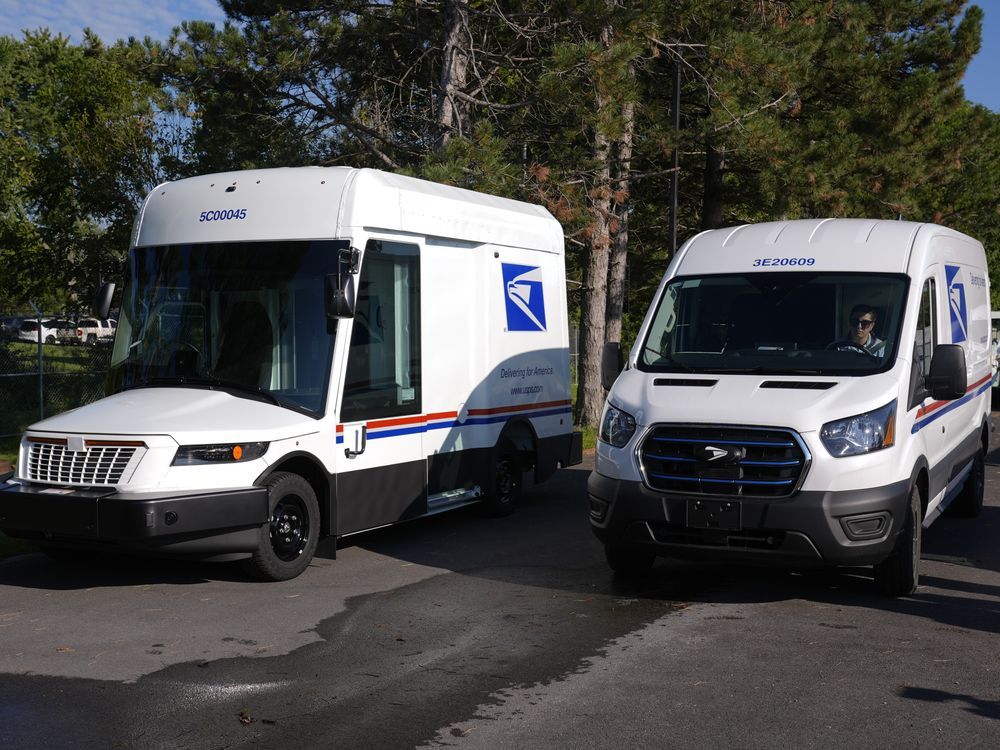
[(234, 385)]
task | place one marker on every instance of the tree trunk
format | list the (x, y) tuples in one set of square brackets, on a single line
[(712, 202), (590, 392), (452, 116), (621, 200)]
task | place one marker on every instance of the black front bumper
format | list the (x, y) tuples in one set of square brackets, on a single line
[(196, 524), (810, 528)]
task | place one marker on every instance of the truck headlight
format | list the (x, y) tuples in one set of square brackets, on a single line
[(863, 433), (617, 426), (190, 455)]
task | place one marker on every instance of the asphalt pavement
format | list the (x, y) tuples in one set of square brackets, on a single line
[(470, 632)]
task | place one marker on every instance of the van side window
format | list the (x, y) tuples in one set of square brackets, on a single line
[(383, 363), (923, 345)]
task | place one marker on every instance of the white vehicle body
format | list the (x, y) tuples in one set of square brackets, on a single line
[(744, 351), (450, 378)]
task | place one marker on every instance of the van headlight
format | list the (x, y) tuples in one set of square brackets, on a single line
[(617, 426), (192, 455), (863, 433)]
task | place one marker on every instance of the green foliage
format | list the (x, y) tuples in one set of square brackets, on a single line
[(78, 138), (790, 108)]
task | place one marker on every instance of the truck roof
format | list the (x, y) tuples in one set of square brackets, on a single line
[(866, 245), (328, 202)]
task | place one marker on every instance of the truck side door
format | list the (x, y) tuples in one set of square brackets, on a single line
[(381, 467)]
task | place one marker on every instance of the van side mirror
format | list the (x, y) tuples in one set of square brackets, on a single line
[(337, 294), (947, 380), (102, 300), (611, 364)]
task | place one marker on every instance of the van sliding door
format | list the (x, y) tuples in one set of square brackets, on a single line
[(381, 475)]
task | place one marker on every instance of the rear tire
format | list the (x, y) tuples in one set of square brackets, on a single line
[(899, 573), (287, 542), (969, 501), (505, 486), (628, 561)]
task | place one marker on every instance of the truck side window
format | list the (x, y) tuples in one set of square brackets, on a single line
[(923, 345), (383, 363)]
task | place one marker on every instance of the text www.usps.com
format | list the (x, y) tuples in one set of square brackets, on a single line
[(522, 390)]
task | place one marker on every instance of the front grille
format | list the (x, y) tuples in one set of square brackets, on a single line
[(100, 465), (723, 460)]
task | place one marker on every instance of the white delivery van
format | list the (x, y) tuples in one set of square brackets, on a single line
[(807, 392), (309, 352)]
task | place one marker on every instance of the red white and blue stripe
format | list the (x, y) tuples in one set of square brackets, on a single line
[(396, 426), (936, 409)]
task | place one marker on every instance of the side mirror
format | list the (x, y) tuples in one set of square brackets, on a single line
[(611, 364), (947, 380), (337, 294), (102, 300)]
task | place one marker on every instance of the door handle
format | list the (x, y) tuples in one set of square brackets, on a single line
[(360, 443)]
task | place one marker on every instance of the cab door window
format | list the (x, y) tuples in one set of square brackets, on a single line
[(923, 344), (383, 362)]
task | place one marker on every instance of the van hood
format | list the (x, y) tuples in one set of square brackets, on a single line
[(802, 403), (191, 416)]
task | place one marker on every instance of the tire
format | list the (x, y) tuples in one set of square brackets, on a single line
[(287, 542), (628, 561), (50, 339), (899, 573), (91, 339), (969, 501), (505, 489)]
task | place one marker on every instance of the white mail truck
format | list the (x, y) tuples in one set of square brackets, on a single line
[(309, 352), (805, 392)]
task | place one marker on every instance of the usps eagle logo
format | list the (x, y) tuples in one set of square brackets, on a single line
[(956, 305), (524, 297)]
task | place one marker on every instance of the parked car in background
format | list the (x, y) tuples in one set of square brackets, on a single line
[(93, 331), (29, 330), (66, 333)]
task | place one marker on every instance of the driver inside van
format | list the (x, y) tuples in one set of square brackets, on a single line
[(860, 333)]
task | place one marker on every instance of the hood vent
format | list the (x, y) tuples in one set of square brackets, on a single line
[(689, 382), (807, 385)]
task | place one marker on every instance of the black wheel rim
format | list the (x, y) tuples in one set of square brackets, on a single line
[(289, 528), (505, 479)]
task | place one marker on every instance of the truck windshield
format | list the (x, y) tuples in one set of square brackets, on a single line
[(244, 317), (815, 323)]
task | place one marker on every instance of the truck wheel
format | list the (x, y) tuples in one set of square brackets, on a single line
[(627, 560), (286, 543), (50, 339), (506, 485), (899, 573), (969, 501)]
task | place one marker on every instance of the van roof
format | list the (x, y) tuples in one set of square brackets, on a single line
[(328, 202), (870, 245)]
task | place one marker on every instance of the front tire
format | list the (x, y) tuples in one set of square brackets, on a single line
[(628, 561), (287, 542), (899, 573)]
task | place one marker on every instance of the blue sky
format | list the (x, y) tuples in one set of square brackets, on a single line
[(117, 19)]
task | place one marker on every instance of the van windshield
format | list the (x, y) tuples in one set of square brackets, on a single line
[(246, 317), (792, 323)]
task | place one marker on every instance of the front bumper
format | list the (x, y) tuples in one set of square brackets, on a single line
[(810, 528), (204, 524)]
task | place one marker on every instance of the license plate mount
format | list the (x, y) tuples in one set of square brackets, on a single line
[(725, 515)]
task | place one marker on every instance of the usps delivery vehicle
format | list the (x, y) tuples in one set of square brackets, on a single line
[(304, 353), (807, 392)]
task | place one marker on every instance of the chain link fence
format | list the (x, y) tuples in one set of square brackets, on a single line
[(43, 379)]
